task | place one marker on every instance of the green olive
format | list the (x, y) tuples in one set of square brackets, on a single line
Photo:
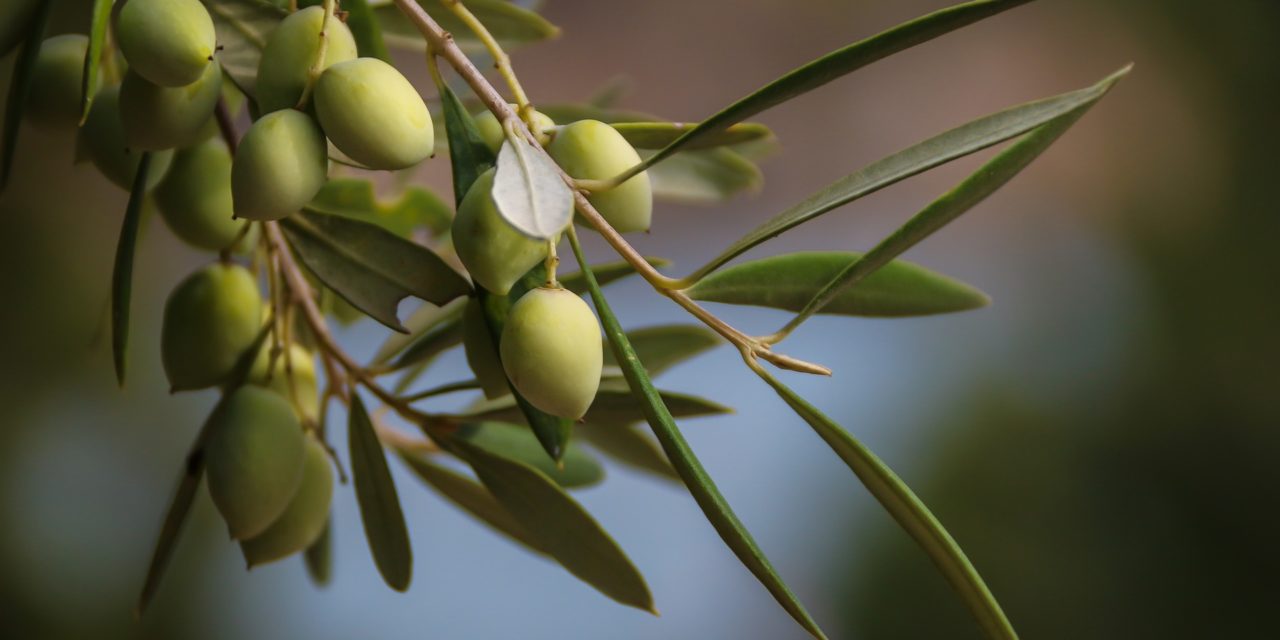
[(493, 135), (494, 253), (291, 50), (195, 198), (304, 519), (102, 138), (210, 320), (15, 19), (372, 114), (157, 117), (482, 355), (294, 379), (54, 101), (254, 458), (593, 150), (281, 164), (169, 42), (552, 353)]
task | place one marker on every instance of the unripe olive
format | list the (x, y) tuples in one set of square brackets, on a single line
[(195, 197), (280, 165), (15, 19), (482, 355), (210, 320), (494, 253), (493, 135), (304, 519), (372, 114), (55, 82), (254, 459), (157, 117), (291, 50), (169, 42), (593, 150), (300, 368), (102, 138), (552, 353)]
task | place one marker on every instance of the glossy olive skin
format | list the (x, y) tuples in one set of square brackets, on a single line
[(482, 354), (493, 135), (54, 101), (494, 253), (102, 139), (210, 320), (552, 353), (303, 392), (304, 519), (157, 117), (593, 150), (373, 115), (195, 198), (280, 165), (169, 42), (254, 459), (290, 52), (15, 18)]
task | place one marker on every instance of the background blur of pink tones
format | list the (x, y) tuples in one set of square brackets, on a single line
[(1101, 440)]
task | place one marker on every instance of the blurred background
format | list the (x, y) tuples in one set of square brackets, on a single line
[(1102, 440)]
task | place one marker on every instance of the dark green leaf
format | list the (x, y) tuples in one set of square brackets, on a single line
[(319, 557), (366, 29), (379, 505), (663, 347), (20, 88), (704, 177), (470, 496), (242, 27), (370, 267), (839, 63), (559, 525), (625, 444), (469, 156), (614, 404), (940, 149), (656, 135), (577, 468), (355, 198), (122, 274), (789, 281), (704, 490), (89, 80), (510, 24)]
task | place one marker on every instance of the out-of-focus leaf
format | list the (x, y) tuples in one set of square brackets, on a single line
[(614, 404), (423, 319), (122, 274), (370, 267), (576, 468), (663, 347), (656, 135), (20, 88), (510, 24), (704, 177), (605, 274), (627, 445), (319, 557), (355, 198), (559, 525), (379, 505), (242, 27), (529, 191), (470, 496), (366, 29), (791, 280), (89, 80)]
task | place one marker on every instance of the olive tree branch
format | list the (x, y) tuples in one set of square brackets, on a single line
[(501, 61)]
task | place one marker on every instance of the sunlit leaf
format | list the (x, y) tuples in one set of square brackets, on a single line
[(20, 88), (576, 468), (470, 496), (529, 190), (665, 346), (379, 505), (89, 78), (122, 274), (242, 27)]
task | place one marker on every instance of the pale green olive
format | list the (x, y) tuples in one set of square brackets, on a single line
[(293, 375), (372, 114), (254, 459), (195, 198), (15, 19), (593, 150), (279, 167), (491, 130), (169, 42), (210, 320), (482, 355), (551, 351), (291, 51), (54, 101), (494, 252), (304, 519), (102, 139), (157, 117)]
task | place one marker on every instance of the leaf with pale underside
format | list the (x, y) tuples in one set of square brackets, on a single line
[(529, 191)]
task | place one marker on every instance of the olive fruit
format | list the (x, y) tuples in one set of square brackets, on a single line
[(494, 252), (54, 100), (15, 19), (304, 519), (169, 42), (102, 138), (210, 320), (482, 355), (157, 117), (280, 165), (195, 197), (593, 150), (491, 130), (372, 114), (254, 457), (552, 353), (300, 368), (291, 51)]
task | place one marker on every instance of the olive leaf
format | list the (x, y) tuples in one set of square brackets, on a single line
[(380, 511), (625, 444), (529, 190), (319, 557), (789, 281), (704, 177), (122, 273), (415, 208), (423, 319), (470, 496), (242, 27), (183, 496), (366, 29), (614, 404), (509, 23), (20, 89), (656, 135), (662, 347), (575, 469), (89, 79), (469, 156)]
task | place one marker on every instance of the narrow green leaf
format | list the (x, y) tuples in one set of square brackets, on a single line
[(909, 512), (986, 180), (20, 88), (469, 156), (625, 444), (559, 525), (940, 149), (509, 23), (379, 505), (319, 557), (704, 177), (789, 281), (242, 28), (665, 346), (122, 274), (89, 80), (355, 198), (614, 404), (370, 267), (433, 342), (576, 468), (839, 63), (656, 135), (366, 29), (419, 323), (695, 477), (470, 496)]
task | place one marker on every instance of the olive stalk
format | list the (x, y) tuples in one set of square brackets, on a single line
[(502, 62), (321, 50)]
